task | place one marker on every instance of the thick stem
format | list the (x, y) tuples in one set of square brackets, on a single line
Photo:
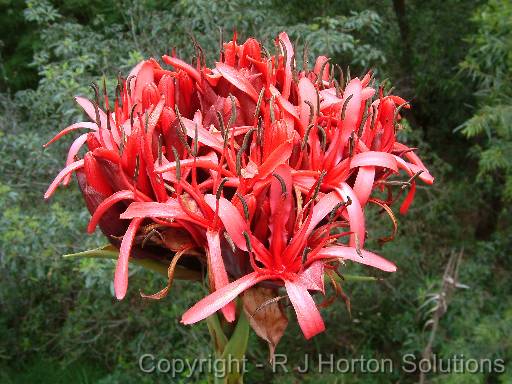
[(231, 351)]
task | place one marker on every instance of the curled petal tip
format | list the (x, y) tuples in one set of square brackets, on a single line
[(120, 284), (120, 295)]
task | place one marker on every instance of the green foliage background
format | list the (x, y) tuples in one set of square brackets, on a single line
[(59, 322)]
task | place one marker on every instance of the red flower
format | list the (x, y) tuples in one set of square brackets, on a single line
[(259, 163)]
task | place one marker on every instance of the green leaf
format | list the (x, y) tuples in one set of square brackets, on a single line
[(110, 252), (234, 351), (355, 278), (237, 344), (217, 334)]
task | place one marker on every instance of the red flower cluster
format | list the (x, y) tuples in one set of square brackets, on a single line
[(265, 169)]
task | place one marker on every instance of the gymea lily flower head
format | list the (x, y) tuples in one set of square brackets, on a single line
[(256, 169)]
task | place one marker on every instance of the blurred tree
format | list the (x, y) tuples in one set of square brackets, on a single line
[(488, 64), (18, 40), (424, 52)]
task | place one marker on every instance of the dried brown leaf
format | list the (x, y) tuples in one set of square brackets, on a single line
[(265, 315)]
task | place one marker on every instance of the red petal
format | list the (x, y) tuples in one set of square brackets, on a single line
[(352, 114), (320, 60), (307, 92), (203, 135), (366, 79), (218, 270), (364, 184), (280, 206), (313, 277), (236, 78), (145, 76), (94, 175), (230, 216), (150, 96), (90, 110), (180, 64), (412, 169), (308, 315), (110, 223), (399, 101), (62, 174), (73, 150), (350, 253), (156, 184), (169, 209), (134, 72), (367, 92), (355, 214), (71, 128), (321, 209), (288, 68), (354, 105), (374, 158), (166, 88), (105, 206), (408, 199), (121, 274), (283, 103), (329, 98), (220, 298), (278, 156), (200, 162)]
